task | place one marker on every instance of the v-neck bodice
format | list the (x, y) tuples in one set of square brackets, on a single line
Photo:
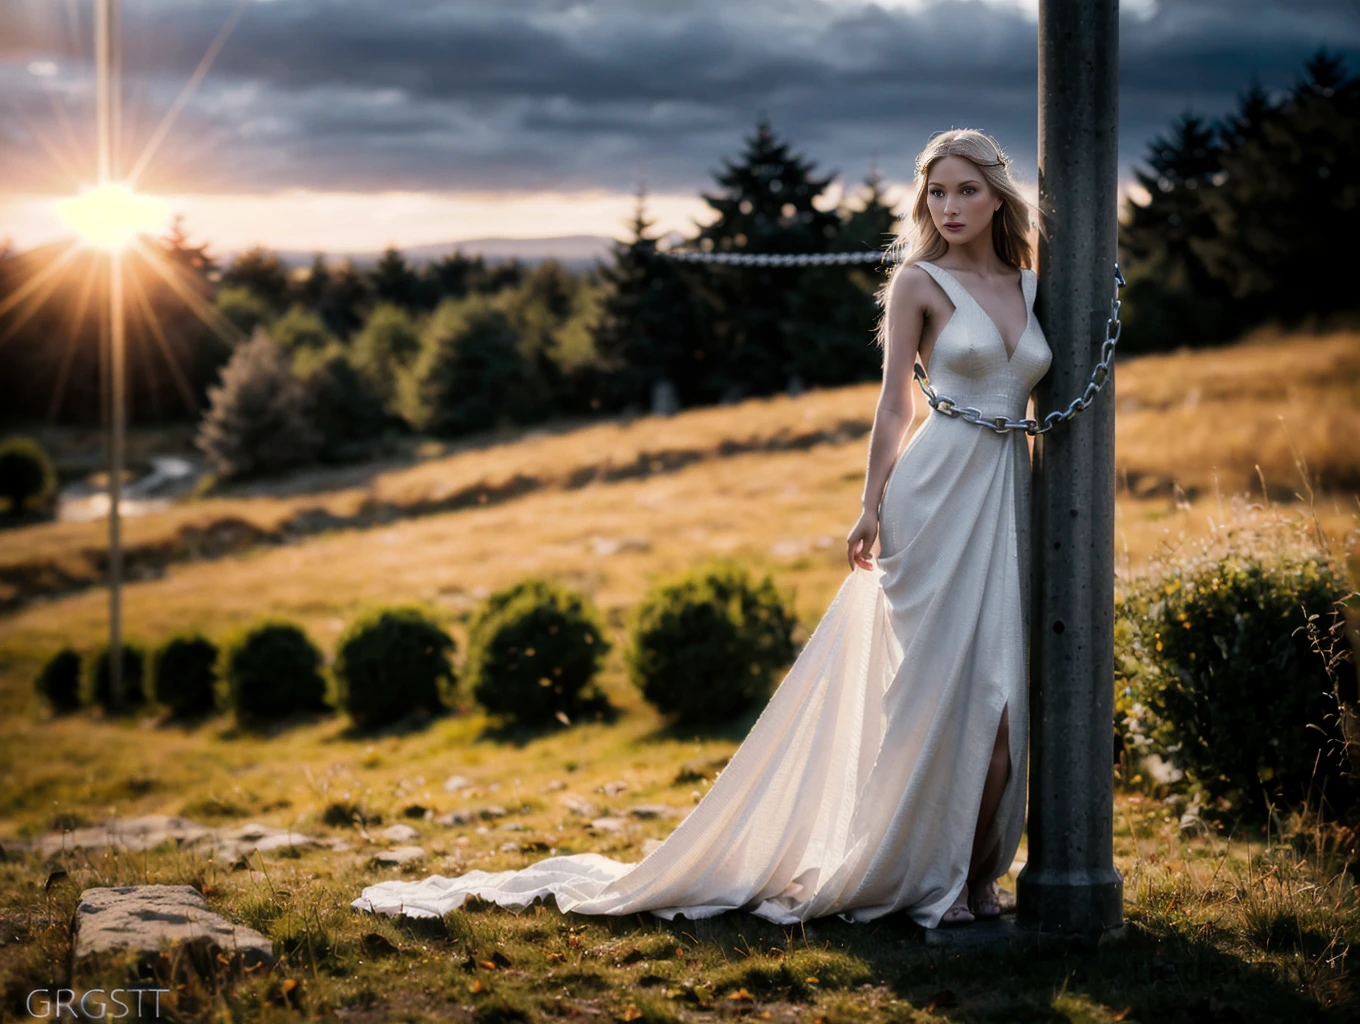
[(970, 362)]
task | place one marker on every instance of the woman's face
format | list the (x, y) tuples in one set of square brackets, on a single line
[(958, 194)]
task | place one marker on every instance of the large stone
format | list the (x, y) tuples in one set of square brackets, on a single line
[(146, 918)]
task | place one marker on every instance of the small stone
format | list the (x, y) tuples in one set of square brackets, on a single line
[(609, 824), (451, 818), (654, 811), (613, 788), (492, 811), (456, 782), (578, 805), (399, 833), (399, 855), (554, 786)]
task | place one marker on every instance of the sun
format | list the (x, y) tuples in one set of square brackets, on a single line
[(110, 216)]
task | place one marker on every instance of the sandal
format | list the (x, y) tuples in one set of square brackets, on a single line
[(959, 913), (985, 901)]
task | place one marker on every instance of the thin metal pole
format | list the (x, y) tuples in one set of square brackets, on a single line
[(1069, 883), (108, 110)]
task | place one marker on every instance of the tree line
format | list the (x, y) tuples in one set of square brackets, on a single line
[(1237, 228)]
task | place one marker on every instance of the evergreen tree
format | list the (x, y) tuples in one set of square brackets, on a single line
[(833, 307), (394, 281), (1288, 199), (256, 422), (262, 272), (384, 348), (311, 291), (766, 205), (347, 298), (648, 331), (1171, 298)]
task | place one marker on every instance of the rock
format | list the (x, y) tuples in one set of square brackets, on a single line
[(613, 788), (399, 855), (150, 830), (451, 818), (609, 824), (456, 782), (492, 811), (142, 917), (578, 805), (554, 786), (399, 833), (655, 811)]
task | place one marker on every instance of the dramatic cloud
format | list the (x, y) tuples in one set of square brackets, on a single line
[(556, 94)]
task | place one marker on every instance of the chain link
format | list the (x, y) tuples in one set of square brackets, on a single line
[(940, 403)]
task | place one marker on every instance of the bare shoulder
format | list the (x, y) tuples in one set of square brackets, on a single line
[(912, 287)]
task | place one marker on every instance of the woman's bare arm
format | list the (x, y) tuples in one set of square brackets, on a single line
[(906, 310)]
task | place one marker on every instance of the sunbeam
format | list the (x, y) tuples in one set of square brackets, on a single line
[(143, 304), (212, 317), (48, 276), (184, 95), (73, 323)]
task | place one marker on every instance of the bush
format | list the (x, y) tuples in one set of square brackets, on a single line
[(184, 675), (1223, 681), (533, 649), (256, 422), (59, 681), (134, 662), (390, 662), (707, 645), (243, 307), (469, 374), (271, 670), (26, 474), (345, 411)]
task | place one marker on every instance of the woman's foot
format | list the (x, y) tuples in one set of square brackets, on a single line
[(958, 913), (984, 900)]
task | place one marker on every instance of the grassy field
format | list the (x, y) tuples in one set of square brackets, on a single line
[(1226, 927)]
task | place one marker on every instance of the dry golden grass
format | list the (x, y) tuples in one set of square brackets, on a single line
[(1241, 932)]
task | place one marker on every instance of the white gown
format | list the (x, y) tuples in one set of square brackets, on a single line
[(857, 790)]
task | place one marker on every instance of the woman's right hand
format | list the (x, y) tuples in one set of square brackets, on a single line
[(861, 539)]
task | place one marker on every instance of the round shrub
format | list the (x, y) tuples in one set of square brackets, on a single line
[(184, 675), (1227, 683), (134, 663), (59, 681), (390, 662), (271, 670), (532, 651), (26, 474), (707, 645)]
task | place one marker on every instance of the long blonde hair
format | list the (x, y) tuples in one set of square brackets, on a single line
[(922, 239)]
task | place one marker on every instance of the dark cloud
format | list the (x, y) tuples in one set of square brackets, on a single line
[(432, 94)]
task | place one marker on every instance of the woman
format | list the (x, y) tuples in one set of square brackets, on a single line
[(888, 770)]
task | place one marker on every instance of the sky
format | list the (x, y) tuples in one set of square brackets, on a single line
[(348, 125)]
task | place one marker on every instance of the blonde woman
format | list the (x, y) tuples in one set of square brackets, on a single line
[(887, 772)]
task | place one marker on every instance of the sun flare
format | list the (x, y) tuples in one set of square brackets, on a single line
[(111, 215)]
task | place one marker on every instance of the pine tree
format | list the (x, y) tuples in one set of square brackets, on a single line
[(256, 422), (834, 308), (647, 335), (767, 205), (394, 281), (1171, 297), (1288, 197)]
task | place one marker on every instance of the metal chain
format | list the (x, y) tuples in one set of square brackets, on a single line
[(941, 403), (1030, 425)]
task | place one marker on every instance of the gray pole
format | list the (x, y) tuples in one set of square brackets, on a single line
[(107, 73), (1070, 884)]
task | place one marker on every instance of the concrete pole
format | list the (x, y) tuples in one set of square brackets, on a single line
[(1069, 883)]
